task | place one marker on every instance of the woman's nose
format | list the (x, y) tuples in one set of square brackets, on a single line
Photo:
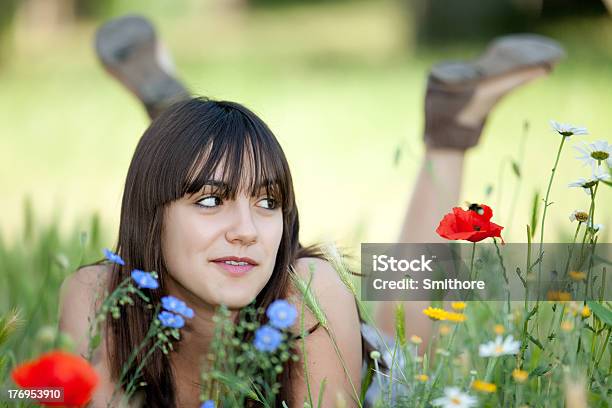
[(242, 228)]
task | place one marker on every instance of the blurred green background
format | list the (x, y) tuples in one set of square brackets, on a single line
[(341, 83)]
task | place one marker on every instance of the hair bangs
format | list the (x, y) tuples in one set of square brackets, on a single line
[(240, 155)]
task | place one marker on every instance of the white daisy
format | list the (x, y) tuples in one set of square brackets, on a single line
[(595, 153), (581, 216), (599, 174), (567, 130), (499, 347), (584, 183), (454, 398)]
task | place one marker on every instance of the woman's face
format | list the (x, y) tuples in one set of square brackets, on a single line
[(222, 251)]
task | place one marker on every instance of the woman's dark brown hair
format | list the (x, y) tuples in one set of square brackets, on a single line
[(177, 155)]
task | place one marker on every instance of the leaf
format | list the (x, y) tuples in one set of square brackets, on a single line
[(400, 329), (235, 384), (535, 209), (397, 156), (516, 169), (321, 390), (604, 314), (539, 371), (536, 341), (369, 377), (95, 341)]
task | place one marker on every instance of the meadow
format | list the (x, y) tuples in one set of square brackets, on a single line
[(341, 86)]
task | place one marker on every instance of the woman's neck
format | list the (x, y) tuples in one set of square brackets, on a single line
[(187, 359), (197, 334)]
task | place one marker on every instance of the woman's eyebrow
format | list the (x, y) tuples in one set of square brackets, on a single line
[(216, 183), (268, 184), (220, 185)]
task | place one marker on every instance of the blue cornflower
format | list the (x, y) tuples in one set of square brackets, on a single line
[(144, 280), (172, 320), (172, 304), (208, 404), (267, 338), (113, 257), (281, 313)]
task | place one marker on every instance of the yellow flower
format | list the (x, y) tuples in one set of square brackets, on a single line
[(421, 377), (455, 317), (559, 296), (484, 386), (434, 313), (567, 326), (499, 329), (416, 339), (458, 306), (586, 311), (577, 275), (520, 375), (441, 314), (444, 329)]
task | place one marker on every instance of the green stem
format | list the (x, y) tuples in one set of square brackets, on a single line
[(546, 204), (490, 367), (472, 261), (603, 348), (569, 256), (590, 221), (96, 325), (441, 364), (501, 262), (346, 370), (303, 343), (131, 385)]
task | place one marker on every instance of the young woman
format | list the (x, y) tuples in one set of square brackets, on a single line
[(208, 181), (208, 184)]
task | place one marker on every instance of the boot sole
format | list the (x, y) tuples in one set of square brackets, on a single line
[(129, 50), (504, 55)]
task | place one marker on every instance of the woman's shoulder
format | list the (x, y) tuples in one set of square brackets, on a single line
[(87, 283), (88, 276), (80, 295), (331, 293), (324, 279), (334, 352)]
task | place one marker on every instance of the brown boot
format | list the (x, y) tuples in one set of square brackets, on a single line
[(129, 50), (460, 95)]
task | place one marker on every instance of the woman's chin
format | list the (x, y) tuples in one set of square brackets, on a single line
[(235, 300)]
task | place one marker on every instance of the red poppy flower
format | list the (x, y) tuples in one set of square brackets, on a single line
[(472, 225), (62, 370)]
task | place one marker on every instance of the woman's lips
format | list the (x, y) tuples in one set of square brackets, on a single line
[(235, 270)]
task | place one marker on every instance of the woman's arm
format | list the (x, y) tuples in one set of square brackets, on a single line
[(341, 373), (77, 307)]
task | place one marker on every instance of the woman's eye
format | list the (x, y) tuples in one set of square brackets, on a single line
[(210, 201), (268, 203)]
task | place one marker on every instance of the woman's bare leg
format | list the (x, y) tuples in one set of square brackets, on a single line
[(455, 114), (437, 189)]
